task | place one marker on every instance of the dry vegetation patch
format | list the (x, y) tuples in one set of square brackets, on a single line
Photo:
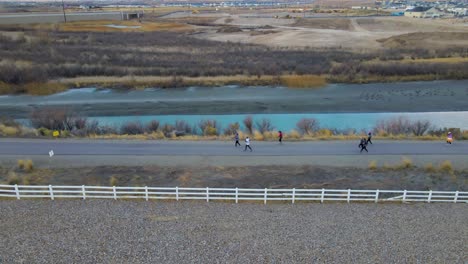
[(324, 23), (427, 40), (303, 81)]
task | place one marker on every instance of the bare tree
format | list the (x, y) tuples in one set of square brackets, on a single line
[(183, 127), (419, 128), (264, 125), (231, 129), (307, 125), (248, 123), (208, 127), (132, 128), (80, 122), (399, 125), (52, 118), (152, 126), (167, 129)]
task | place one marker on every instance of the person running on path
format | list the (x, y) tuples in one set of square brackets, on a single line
[(369, 138), (363, 145), (280, 136), (236, 137), (247, 144), (449, 138)]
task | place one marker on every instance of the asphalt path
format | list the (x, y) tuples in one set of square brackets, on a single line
[(222, 148)]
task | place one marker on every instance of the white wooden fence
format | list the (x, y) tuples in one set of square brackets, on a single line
[(232, 194)]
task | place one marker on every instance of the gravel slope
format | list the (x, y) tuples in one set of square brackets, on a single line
[(100, 231)]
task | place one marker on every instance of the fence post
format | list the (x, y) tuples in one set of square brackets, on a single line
[(377, 195), (83, 189), (349, 196), (323, 195), (177, 193), (146, 193), (293, 194), (265, 196), (115, 193), (207, 194), (237, 194), (456, 197), (404, 195), (51, 192), (429, 196), (17, 192)]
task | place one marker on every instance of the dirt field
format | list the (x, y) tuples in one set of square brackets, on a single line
[(336, 32)]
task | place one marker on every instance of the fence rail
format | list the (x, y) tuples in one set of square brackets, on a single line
[(228, 194)]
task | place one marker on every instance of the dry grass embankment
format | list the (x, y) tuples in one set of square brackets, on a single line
[(33, 88), (398, 176), (139, 82), (419, 60), (407, 164)]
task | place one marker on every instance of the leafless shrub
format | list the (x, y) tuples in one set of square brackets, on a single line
[(399, 125), (419, 128), (80, 122), (264, 125), (307, 125), (232, 129), (208, 127), (107, 130), (132, 128), (92, 127), (152, 126), (167, 129), (52, 118), (248, 123), (183, 127)]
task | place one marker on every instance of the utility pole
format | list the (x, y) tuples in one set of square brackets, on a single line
[(63, 9)]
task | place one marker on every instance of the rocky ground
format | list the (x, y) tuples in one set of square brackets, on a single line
[(100, 231)]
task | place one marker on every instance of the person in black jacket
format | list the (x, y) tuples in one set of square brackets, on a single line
[(236, 137), (369, 137), (363, 144)]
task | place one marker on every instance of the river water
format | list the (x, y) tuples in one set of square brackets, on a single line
[(287, 122), (337, 106)]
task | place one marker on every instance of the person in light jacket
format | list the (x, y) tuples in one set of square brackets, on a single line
[(247, 144)]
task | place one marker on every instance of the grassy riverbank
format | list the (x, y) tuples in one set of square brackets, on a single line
[(55, 122)]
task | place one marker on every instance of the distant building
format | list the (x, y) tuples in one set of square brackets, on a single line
[(458, 11), (425, 12), (417, 12), (433, 13)]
